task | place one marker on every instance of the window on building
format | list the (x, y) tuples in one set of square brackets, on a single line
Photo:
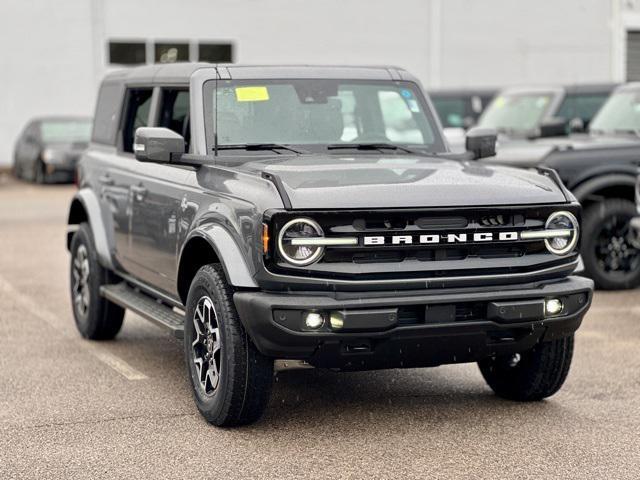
[(171, 52), (215, 52), (174, 113), (137, 115), (127, 53), (633, 56)]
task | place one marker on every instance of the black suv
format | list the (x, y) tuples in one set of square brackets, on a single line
[(314, 214), (599, 167)]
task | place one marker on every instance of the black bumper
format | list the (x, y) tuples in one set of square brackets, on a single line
[(412, 329)]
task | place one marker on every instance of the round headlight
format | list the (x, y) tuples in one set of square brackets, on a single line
[(561, 245), (296, 231)]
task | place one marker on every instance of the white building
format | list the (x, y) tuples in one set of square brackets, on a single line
[(56, 51)]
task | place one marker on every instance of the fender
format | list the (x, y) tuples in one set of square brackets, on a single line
[(597, 183), (231, 257), (91, 205)]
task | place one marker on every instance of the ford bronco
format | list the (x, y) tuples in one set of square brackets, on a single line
[(315, 214)]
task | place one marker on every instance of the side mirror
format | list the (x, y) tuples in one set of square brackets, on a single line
[(158, 145), (481, 142), (553, 127)]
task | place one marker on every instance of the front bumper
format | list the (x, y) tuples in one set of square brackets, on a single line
[(425, 328)]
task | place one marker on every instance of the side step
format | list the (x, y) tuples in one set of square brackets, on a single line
[(145, 306)]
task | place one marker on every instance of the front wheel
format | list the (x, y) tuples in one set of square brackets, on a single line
[(532, 375), (610, 247), (231, 380)]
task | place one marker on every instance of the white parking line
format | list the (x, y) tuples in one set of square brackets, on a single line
[(107, 358)]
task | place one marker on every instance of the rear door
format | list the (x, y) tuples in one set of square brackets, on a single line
[(159, 197)]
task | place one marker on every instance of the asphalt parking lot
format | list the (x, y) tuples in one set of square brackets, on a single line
[(70, 408)]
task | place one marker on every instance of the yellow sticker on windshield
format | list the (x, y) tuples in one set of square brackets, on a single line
[(252, 94), (499, 102)]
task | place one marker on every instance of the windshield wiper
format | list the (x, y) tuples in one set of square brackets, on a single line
[(259, 146), (371, 146)]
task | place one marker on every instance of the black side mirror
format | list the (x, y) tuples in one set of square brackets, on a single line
[(553, 127), (481, 142), (158, 145)]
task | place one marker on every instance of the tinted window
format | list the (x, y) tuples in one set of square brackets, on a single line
[(106, 117), (174, 113), (138, 104), (583, 106), (452, 111), (215, 52), (127, 53), (171, 52)]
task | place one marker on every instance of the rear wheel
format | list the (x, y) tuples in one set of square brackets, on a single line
[(96, 317), (231, 380), (610, 247), (532, 375)]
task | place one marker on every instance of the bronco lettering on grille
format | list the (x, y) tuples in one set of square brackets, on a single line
[(440, 238)]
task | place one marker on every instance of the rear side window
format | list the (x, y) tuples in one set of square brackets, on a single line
[(583, 106), (137, 115), (174, 113), (105, 123)]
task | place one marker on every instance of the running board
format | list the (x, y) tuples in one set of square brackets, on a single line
[(145, 306)]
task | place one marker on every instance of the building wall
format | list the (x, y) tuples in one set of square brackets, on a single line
[(55, 50), (45, 65)]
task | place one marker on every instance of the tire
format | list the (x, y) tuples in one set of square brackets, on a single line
[(38, 173), (610, 248), (237, 378), (96, 317), (532, 375)]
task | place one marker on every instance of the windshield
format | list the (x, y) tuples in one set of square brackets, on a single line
[(65, 131), (620, 112), (522, 111), (322, 113)]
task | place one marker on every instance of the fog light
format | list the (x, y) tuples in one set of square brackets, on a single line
[(336, 319), (314, 320), (553, 306)]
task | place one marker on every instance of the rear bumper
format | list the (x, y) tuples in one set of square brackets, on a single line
[(411, 329)]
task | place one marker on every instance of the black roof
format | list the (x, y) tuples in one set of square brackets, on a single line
[(181, 72)]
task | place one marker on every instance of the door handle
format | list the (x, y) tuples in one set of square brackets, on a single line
[(106, 180), (139, 191)]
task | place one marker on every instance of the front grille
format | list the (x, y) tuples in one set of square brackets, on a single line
[(388, 260)]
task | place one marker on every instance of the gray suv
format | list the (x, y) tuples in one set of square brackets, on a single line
[(314, 214)]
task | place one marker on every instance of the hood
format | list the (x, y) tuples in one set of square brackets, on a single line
[(532, 153), (396, 181)]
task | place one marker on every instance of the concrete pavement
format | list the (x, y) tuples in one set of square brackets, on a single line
[(70, 408)]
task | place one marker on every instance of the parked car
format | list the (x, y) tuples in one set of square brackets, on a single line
[(315, 214), (537, 112), (48, 148), (600, 169), (459, 110)]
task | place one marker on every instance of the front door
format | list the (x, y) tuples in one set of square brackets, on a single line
[(158, 201)]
